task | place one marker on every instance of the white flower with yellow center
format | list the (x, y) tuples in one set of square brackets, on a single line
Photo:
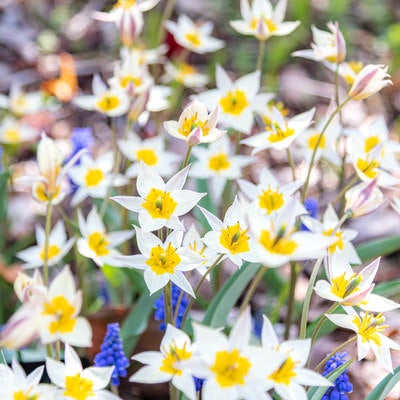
[(96, 243), (281, 133), (195, 37), (162, 262), (58, 247), (185, 74), (218, 164), (261, 21), (74, 382), (232, 369), (236, 100), (164, 366), (144, 55), (350, 288), (269, 196), (59, 315), (341, 244), (285, 371), (151, 152), (160, 203), (112, 102), (21, 103), (94, 177), (16, 385), (13, 131), (231, 236), (195, 125), (277, 240), (369, 329), (328, 46)]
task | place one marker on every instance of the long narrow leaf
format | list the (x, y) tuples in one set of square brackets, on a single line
[(385, 386), (379, 247)]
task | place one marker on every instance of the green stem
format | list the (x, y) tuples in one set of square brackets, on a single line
[(318, 327), (187, 156), (291, 163), (114, 390), (46, 243), (173, 392), (260, 57), (168, 304), (294, 273), (49, 351), (314, 153), (203, 278), (252, 288), (345, 189), (169, 8), (58, 350), (342, 346)]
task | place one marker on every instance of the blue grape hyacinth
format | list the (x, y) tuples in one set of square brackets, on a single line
[(159, 313), (112, 354), (342, 385), (311, 206)]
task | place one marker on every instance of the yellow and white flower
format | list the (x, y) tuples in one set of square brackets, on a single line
[(231, 236), (285, 371), (21, 103), (369, 328), (194, 36), (162, 262), (341, 244), (236, 100), (218, 164), (94, 177), (281, 133), (185, 74), (13, 131), (160, 203), (58, 247), (269, 196), (96, 243), (150, 152), (262, 21), (195, 125), (16, 385), (74, 382), (328, 46), (112, 102), (349, 288), (164, 366)]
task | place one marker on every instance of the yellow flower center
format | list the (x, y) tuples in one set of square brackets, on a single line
[(270, 200), (148, 156), (191, 123), (338, 244), (193, 38), (368, 167), (369, 327), (159, 204), (230, 368), (108, 102), (185, 70), (235, 239), (12, 136), (278, 245), (21, 395), (53, 251), (272, 27), (234, 102), (278, 105), (172, 356), (63, 312), (127, 79), (370, 143), (285, 373), (219, 162), (43, 192), (98, 243), (278, 134), (342, 286), (94, 177), (313, 140), (162, 260), (78, 388), (355, 67)]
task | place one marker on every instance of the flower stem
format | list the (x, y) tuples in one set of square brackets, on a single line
[(294, 273), (291, 163), (252, 288), (318, 327), (168, 304), (169, 8), (46, 243), (314, 153), (187, 156), (58, 350), (260, 57)]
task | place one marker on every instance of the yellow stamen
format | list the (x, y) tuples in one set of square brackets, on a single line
[(98, 242), (78, 388), (235, 239), (369, 327), (93, 177), (63, 312), (172, 356), (234, 102), (271, 200), (278, 245), (285, 373), (219, 162), (159, 204), (53, 251), (162, 260), (108, 102), (148, 156)]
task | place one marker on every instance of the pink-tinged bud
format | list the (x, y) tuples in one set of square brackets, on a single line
[(130, 25), (138, 106), (194, 137), (370, 80), (340, 42), (363, 199), (25, 286)]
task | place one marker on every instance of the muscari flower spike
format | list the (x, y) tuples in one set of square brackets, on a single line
[(112, 354), (342, 385), (311, 206), (159, 310)]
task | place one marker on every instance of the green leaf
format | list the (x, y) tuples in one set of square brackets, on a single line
[(137, 320), (385, 386), (389, 289), (3, 194), (114, 275), (227, 297), (378, 247), (316, 393), (326, 328)]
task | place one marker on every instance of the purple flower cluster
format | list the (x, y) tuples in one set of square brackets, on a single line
[(112, 354)]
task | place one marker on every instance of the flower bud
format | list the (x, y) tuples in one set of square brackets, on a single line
[(130, 25)]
